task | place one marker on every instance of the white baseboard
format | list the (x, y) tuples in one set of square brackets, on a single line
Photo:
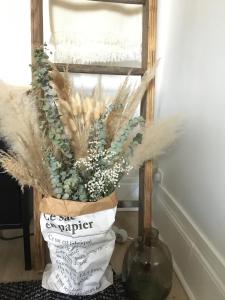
[(199, 266), (183, 281)]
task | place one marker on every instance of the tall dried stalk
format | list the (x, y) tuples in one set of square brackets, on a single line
[(129, 102), (62, 84)]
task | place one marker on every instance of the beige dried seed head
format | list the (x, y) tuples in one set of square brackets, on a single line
[(65, 106), (72, 125)]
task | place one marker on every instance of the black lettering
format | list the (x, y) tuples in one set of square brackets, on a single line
[(61, 227), (46, 217), (80, 225), (52, 218), (74, 228), (67, 227), (85, 225)]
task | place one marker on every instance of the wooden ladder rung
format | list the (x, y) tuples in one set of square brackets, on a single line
[(122, 1), (128, 204), (98, 69)]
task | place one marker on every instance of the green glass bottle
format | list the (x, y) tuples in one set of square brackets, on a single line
[(147, 268)]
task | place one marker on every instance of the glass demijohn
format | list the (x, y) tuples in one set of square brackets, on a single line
[(147, 268)]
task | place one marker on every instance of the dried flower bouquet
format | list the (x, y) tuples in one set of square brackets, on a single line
[(69, 146), (73, 147)]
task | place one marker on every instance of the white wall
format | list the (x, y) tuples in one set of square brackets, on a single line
[(15, 51), (191, 199)]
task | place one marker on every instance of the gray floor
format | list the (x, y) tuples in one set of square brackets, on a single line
[(12, 265)]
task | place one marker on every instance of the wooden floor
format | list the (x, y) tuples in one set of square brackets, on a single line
[(12, 264)]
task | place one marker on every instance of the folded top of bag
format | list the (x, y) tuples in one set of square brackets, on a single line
[(68, 208)]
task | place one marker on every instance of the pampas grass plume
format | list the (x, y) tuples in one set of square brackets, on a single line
[(19, 128), (117, 119), (157, 137)]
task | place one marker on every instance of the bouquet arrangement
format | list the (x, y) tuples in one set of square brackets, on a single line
[(74, 149), (70, 146)]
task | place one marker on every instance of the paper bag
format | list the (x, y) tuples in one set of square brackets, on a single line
[(80, 246)]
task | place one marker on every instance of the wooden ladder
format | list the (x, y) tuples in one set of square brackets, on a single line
[(149, 27)]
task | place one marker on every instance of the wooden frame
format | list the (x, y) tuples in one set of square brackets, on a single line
[(147, 106), (147, 110), (123, 1), (36, 41), (99, 69)]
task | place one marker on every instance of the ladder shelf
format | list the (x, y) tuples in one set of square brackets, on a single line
[(99, 69), (149, 25)]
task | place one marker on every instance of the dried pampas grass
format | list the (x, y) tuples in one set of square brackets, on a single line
[(16, 168), (19, 169), (62, 142), (129, 101), (115, 115), (19, 128), (61, 83), (77, 113), (156, 138)]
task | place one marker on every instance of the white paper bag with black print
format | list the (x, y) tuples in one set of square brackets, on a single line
[(80, 249)]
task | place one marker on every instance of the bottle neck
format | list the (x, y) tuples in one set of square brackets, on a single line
[(150, 237)]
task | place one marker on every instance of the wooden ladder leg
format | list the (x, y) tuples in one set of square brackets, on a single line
[(37, 41), (147, 110), (26, 227), (39, 244)]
